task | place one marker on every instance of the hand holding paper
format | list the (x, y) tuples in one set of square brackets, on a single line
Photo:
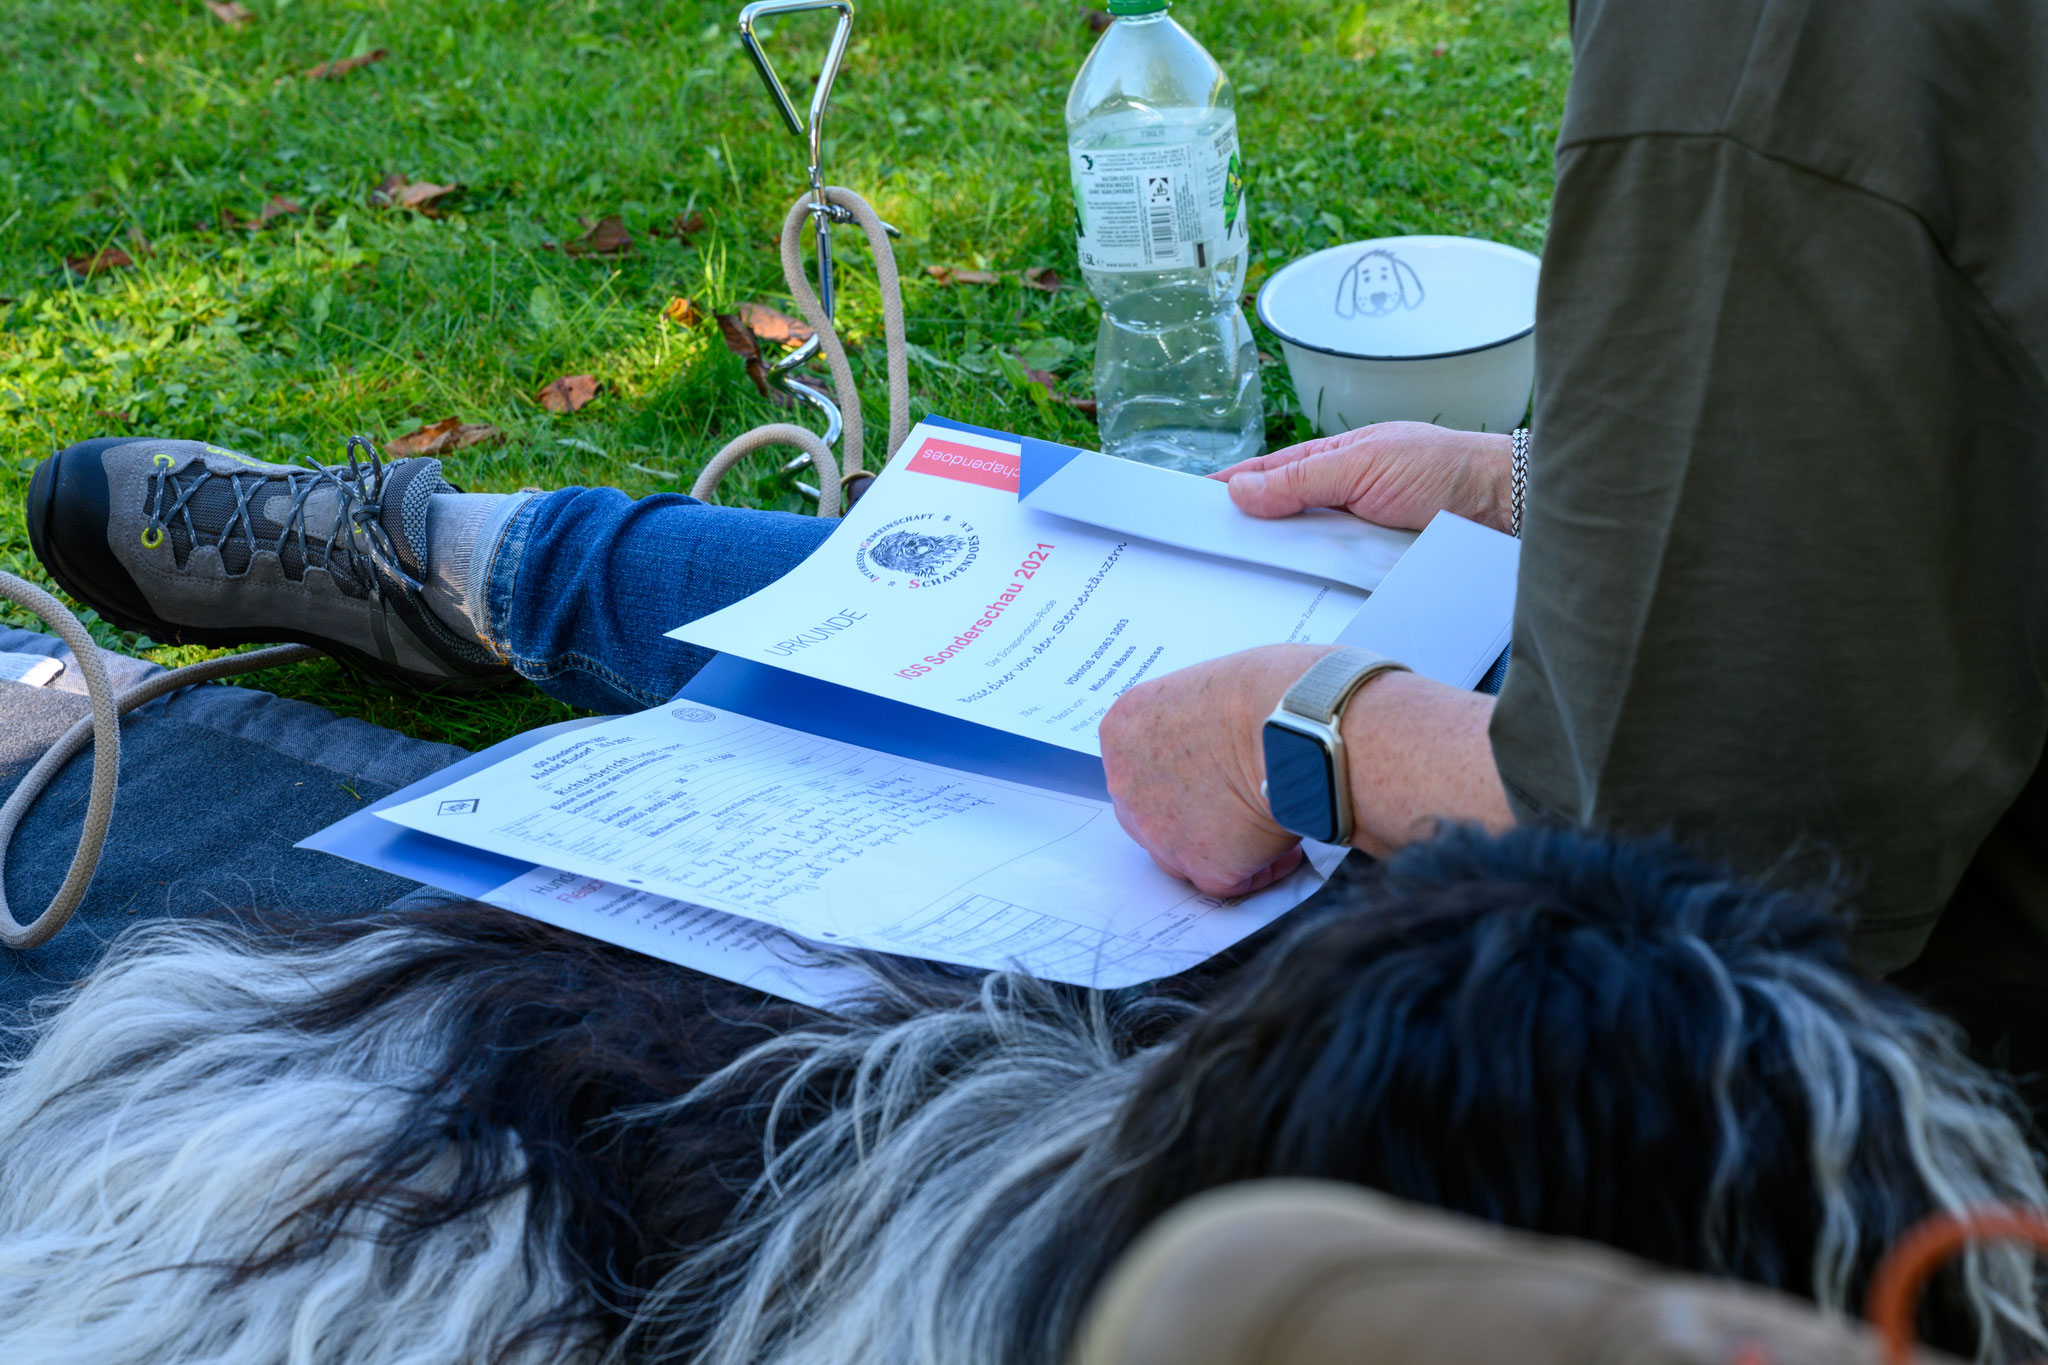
[(1391, 474)]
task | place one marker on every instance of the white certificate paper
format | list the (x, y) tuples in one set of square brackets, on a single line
[(845, 845), (940, 589), (1194, 513), (742, 950)]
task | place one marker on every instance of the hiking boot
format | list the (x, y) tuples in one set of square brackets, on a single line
[(190, 543)]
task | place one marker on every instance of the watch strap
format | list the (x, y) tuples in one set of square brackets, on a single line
[(1320, 693)]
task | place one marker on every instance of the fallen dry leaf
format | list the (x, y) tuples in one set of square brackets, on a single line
[(772, 324), (741, 343), (124, 418), (1044, 277), (1097, 20), (93, 263), (571, 393), (330, 70), (277, 207), (682, 227), (228, 12), (432, 439), (605, 239), (946, 274), (424, 196), (443, 437), (683, 312)]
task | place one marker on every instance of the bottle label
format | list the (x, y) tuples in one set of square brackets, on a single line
[(1172, 206)]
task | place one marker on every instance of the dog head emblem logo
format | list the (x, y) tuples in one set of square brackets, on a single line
[(916, 554), (919, 551), (1378, 283)]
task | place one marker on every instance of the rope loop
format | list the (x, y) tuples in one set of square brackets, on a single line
[(836, 201), (101, 729)]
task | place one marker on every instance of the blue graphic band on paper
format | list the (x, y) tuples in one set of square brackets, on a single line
[(893, 727), (1042, 460)]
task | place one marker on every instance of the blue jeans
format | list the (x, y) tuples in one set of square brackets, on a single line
[(584, 582)]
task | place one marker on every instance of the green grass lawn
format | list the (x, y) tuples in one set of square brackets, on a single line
[(153, 126)]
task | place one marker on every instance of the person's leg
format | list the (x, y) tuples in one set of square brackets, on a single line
[(580, 585), (393, 570)]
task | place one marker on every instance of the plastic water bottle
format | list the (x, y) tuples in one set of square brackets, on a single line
[(1160, 219)]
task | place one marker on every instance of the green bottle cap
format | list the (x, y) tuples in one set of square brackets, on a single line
[(1138, 6)]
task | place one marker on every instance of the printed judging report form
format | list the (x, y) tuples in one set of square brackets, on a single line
[(840, 845), (942, 590), (743, 950)]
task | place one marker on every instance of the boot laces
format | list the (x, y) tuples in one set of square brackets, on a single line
[(358, 529)]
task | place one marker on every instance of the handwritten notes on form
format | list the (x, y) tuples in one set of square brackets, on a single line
[(847, 846)]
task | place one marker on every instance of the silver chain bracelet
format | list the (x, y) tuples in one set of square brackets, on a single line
[(1519, 480)]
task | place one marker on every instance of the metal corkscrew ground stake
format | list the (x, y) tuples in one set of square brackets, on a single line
[(784, 373)]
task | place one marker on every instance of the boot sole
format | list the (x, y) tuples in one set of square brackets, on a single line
[(118, 601)]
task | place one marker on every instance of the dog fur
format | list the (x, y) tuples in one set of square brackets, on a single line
[(465, 1137)]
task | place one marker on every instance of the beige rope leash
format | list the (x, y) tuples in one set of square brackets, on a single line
[(832, 477), (102, 729)]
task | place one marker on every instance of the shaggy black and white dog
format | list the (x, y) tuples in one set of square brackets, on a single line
[(471, 1138)]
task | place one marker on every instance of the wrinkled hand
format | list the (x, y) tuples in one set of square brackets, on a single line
[(1394, 473), (1184, 758)]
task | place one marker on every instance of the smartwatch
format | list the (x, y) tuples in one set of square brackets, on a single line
[(1307, 787)]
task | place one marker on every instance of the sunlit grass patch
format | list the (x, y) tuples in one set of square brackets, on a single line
[(148, 126)]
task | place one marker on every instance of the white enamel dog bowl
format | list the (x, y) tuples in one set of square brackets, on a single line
[(1422, 329)]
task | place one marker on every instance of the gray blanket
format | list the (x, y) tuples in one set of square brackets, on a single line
[(217, 784)]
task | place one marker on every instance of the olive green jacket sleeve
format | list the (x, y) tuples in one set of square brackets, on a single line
[(1783, 586)]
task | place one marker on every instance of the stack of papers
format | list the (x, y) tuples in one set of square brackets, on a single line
[(897, 750)]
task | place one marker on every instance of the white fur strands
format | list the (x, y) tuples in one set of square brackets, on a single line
[(912, 1220), (466, 1137), (171, 1128)]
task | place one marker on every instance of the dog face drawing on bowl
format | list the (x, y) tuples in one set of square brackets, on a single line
[(1366, 342), (1378, 283)]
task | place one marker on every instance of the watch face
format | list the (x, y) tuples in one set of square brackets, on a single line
[(1300, 787)]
